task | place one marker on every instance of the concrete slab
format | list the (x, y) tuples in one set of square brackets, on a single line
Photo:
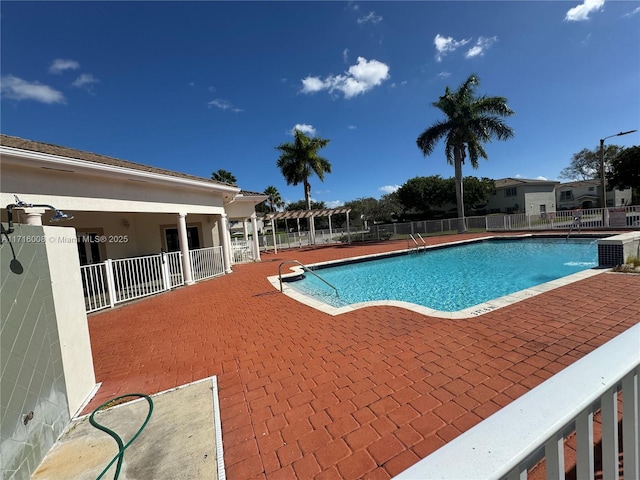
[(179, 442)]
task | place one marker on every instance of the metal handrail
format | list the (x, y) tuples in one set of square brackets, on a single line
[(306, 269), (416, 242)]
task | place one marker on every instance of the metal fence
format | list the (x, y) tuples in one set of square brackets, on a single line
[(116, 281), (569, 220), (206, 263)]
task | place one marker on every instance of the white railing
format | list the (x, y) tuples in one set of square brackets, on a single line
[(596, 218), (206, 262), (136, 277), (535, 425), (174, 270), (115, 281), (241, 251), (94, 284)]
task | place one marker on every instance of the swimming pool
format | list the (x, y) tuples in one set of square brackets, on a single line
[(467, 279)]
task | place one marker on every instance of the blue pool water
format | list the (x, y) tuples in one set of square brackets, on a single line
[(453, 278)]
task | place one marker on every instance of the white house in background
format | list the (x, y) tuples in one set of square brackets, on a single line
[(131, 208), (520, 195), (586, 194)]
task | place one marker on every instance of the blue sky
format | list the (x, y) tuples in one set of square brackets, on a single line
[(201, 86)]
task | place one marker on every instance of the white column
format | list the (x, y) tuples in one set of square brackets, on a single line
[(330, 231), (273, 232), (254, 231), (245, 229), (34, 216), (225, 238), (348, 230), (184, 248)]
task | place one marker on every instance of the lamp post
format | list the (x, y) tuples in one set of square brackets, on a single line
[(603, 193)]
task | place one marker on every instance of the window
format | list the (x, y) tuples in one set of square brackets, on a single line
[(173, 244), (566, 195), (510, 192), (88, 247)]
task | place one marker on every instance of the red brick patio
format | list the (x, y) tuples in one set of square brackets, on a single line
[(365, 394)]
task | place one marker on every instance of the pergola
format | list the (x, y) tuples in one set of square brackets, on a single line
[(312, 214)]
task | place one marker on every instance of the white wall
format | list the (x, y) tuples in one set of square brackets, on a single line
[(73, 191), (68, 300)]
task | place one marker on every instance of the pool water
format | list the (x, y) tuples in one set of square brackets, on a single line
[(453, 278)]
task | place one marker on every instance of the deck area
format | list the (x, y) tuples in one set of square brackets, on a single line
[(366, 394)]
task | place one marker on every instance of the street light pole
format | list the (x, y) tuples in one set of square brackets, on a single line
[(603, 185)]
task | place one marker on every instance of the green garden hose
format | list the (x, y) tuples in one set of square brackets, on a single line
[(120, 456)]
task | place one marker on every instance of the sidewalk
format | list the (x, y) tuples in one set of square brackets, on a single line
[(179, 442)]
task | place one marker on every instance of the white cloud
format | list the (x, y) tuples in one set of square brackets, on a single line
[(371, 17), (352, 127), (360, 78), (389, 188), (86, 80), (334, 204), (312, 85), (632, 13), (59, 65), (345, 55), (19, 89), (581, 12), (444, 74), (401, 84), (304, 128), (445, 45), (223, 105), (540, 177), (482, 45)]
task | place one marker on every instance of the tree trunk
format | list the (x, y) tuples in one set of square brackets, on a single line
[(458, 155), (307, 193)]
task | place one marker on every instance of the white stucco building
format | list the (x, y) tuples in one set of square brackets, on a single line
[(120, 208), (520, 195)]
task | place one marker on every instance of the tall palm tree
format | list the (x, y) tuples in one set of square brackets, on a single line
[(224, 176), (274, 200), (470, 121), (300, 159)]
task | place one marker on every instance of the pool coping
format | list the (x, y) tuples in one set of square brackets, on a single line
[(469, 312)]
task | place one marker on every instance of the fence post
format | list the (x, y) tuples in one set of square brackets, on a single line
[(111, 284), (166, 278)]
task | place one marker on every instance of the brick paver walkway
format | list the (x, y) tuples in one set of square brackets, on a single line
[(361, 395)]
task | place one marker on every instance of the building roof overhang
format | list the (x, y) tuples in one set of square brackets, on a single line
[(108, 167)]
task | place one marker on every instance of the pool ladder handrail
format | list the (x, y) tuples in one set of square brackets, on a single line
[(424, 244), (304, 267), (576, 222)]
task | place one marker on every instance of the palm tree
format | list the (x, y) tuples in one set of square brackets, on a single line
[(300, 159), (224, 176), (274, 200), (470, 122)]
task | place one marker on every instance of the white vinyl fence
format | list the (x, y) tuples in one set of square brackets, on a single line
[(116, 281), (513, 440), (206, 263)]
